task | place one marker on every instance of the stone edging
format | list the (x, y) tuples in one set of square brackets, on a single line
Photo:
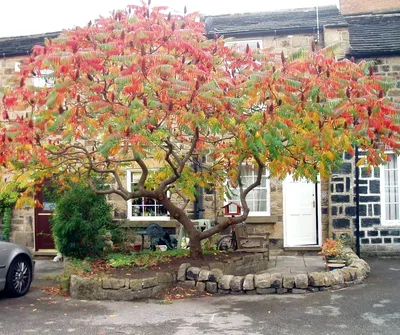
[(224, 279)]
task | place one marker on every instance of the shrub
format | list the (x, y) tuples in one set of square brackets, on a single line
[(332, 248), (8, 198), (79, 216)]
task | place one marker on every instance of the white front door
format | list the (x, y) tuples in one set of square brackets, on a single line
[(300, 213)]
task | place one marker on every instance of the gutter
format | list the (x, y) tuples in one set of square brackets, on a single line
[(269, 32), (362, 55), (357, 198), (199, 197), (15, 54)]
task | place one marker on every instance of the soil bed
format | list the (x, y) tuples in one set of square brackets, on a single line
[(101, 268)]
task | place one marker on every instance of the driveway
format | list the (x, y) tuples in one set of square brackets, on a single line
[(370, 308)]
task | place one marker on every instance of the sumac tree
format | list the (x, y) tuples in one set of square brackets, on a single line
[(145, 88)]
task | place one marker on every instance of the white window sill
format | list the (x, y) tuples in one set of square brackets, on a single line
[(149, 218), (388, 226), (255, 219)]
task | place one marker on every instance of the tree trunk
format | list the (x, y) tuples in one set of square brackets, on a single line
[(194, 236), (195, 247)]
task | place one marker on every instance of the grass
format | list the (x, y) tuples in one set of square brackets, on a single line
[(145, 259)]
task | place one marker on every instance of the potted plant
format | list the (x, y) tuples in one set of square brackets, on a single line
[(332, 250)]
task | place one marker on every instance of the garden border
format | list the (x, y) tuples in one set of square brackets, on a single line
[(223, 278)]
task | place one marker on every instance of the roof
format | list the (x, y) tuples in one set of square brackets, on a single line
[(22, 45), (272, 23), (374, 35)]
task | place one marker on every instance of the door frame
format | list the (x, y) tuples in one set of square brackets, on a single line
[(318, 215)]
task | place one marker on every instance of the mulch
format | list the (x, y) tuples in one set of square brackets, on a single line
[(101, 268)]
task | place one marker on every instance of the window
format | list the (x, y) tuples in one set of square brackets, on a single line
[(242, 44), (258, 199), (45, 79), (143, 209), (390, 191)]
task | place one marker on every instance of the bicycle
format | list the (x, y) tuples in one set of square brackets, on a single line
[(228, 242)]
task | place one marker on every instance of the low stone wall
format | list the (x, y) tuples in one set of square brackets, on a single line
[(223, 278)]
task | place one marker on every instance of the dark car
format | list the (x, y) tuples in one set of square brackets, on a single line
[(16, 269)]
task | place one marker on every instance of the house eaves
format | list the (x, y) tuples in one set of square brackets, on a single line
[(294, 21), (22, 45), (374, 35)]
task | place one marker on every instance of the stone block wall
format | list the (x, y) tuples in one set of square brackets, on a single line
[(341, 199), (222, 279)]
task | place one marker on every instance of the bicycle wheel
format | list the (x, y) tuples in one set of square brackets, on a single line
[(226, 243)]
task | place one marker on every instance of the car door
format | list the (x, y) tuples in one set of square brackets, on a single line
[(3, 260)]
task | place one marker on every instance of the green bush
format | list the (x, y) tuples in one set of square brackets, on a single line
[(78, 219), (8, 198)]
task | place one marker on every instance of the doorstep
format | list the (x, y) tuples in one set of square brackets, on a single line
[(45, 252), (303, 250)]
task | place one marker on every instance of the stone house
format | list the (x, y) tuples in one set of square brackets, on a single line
[(298, 215), (370, 208), (29, 226)]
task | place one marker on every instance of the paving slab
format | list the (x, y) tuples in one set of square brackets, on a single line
[(295, 264)]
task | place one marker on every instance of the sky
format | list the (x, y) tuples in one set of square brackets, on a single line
[(28, 17)]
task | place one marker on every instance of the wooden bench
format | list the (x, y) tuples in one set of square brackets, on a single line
[(251, 243)]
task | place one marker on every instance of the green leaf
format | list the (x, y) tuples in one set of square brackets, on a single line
[(51, 99), (299, 54)]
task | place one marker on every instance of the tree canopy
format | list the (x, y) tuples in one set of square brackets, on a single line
[(144, 88)]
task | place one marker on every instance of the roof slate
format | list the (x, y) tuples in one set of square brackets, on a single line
[(374, 35), (270, 23), (22, 45)]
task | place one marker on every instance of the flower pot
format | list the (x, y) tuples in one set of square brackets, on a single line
[(334, 266), (135, 247), (338, 260)]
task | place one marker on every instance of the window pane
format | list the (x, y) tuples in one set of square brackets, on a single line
[(391, 193), (137, 211), (161, 211), (250, 196), (390, 177), (260, 206), (247, 181), (392, 211), (264, 182)]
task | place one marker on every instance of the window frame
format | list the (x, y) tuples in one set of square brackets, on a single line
[(268, 200), (130, 217), (384, 221)]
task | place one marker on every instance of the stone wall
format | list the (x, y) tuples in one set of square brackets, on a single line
[(22, 224), (223, 279), (390, 67), (339, 36)]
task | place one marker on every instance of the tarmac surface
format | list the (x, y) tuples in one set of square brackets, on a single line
[(370, 308)]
